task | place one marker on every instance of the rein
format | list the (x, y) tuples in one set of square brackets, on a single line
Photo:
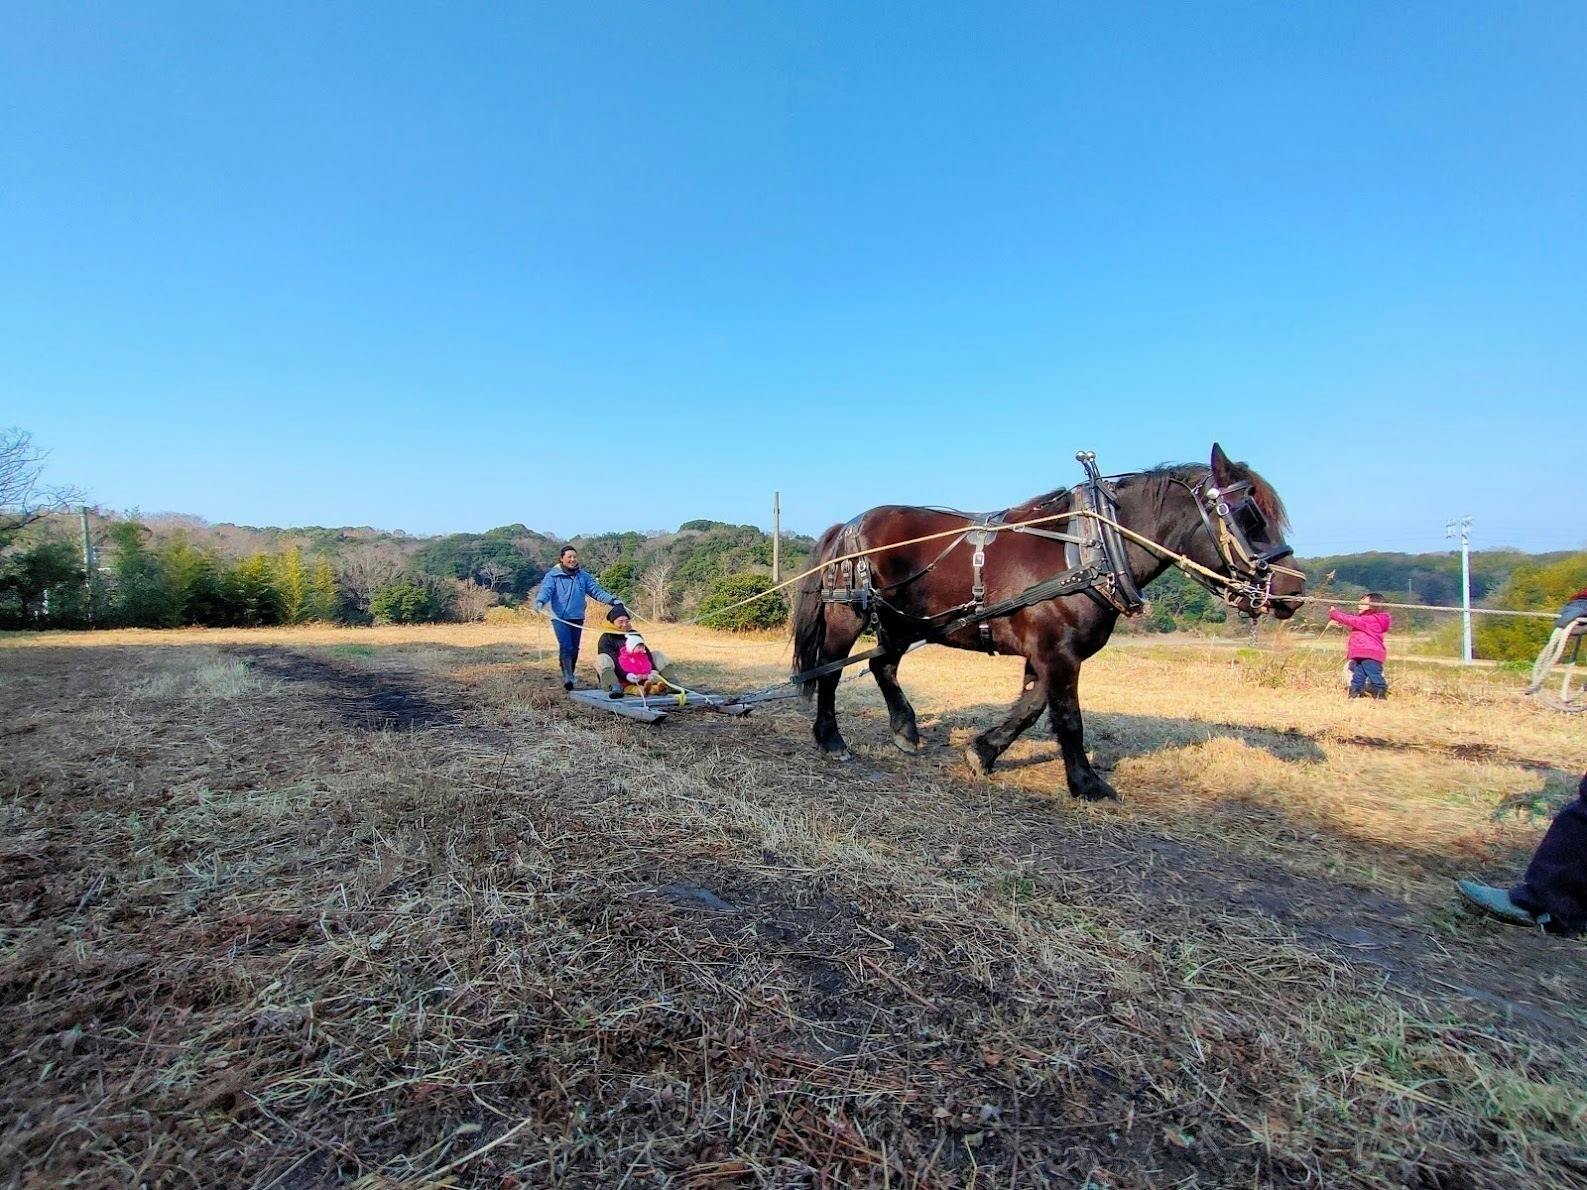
[(1234, 546), (1250, 578), (1098, 564), (1254, 589)]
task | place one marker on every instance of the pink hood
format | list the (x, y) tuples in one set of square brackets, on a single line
[(634, 661)]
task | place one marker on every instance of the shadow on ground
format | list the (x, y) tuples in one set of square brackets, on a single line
[(1096, 858), (1116, 737)]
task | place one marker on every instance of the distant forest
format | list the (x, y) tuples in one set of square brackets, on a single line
[(169, 571)]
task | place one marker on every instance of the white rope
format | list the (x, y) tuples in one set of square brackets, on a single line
[(1429, 607), (1182, 561), (1558, 642)]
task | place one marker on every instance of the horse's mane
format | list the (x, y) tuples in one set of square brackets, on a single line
[(1262, 493)]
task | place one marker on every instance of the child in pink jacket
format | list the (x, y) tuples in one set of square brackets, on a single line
[(1365, 650)]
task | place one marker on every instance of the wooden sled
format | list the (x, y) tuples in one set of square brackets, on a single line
[(654, 708)]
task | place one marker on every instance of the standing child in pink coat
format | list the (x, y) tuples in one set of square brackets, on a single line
[(1365, 650)]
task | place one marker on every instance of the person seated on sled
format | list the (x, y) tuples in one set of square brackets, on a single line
[(623, 659), (1552, 894)]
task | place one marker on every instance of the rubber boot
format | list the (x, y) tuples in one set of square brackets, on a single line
[(614, 689), (1496, 902)]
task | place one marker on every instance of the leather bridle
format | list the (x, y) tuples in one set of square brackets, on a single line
[(1236, 524)]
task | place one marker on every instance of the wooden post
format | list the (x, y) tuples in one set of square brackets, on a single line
[(88, 563)]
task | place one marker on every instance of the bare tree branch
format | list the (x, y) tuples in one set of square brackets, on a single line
[(22, 499), (494, 573), (364, 570), (469, 600), (654, 583)]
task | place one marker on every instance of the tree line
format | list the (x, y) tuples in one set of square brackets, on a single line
[(165, 572), (170, 571), (173, 571)]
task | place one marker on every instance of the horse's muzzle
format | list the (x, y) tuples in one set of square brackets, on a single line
[(1284, 606)]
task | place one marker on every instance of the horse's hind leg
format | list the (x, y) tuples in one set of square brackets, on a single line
[(989, 745), (900, 715), (842, 630)]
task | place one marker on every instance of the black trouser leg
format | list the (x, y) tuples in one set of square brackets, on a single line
[(567, 646), (1556, 880)]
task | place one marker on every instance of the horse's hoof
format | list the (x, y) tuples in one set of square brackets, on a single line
[(1101, 791), (843, 757), (904, 744), (979, 764)]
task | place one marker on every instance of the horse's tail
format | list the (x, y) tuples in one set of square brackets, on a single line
[(810, 617)]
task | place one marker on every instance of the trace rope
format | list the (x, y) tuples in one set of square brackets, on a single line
[(1254, 585)]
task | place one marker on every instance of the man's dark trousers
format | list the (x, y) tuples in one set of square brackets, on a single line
[(1556, 880), (568, 635)]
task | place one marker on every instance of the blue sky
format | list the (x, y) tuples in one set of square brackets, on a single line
[(617, 266)]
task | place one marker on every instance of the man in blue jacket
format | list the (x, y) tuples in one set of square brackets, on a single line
[(565, 588)]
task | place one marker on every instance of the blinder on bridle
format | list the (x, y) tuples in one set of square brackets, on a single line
[(1244, 539)]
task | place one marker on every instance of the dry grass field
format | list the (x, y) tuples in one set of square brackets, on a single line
[(383, 908)]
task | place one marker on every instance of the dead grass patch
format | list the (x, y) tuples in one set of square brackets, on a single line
[(249, 941)]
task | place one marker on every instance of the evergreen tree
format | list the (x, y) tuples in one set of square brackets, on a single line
[(410, 600), (42, 583), (252, 591), (717, 610), (324, 595), (197, 581), (1529, 588), (292, 585), (143, 594), (622, 579)]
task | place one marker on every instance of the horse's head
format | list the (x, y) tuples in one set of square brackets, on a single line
[(1247, 521)]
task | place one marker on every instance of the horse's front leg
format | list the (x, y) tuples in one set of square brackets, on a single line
[(1064, 690), (828, 738), (984, 750), (900, 714)]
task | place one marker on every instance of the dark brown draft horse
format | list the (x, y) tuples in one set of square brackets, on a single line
[(1223, 517)]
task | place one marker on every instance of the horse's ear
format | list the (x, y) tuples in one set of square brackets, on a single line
[(1222, 469)]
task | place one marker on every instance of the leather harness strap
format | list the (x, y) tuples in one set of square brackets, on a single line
[(1069, 582), (980, 538), (1096, 553)]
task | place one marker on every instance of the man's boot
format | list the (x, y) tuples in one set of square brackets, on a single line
[(1496, 902)]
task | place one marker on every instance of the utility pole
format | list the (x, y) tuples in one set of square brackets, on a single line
[(1462, 528), (88, 563), (776, 537), (88, 548)]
